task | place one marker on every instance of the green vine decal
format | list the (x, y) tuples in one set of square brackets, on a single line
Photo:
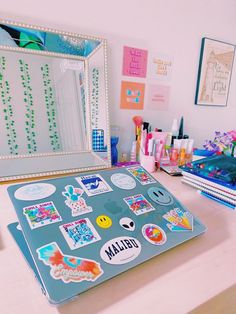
[(29, 105), (8, 111), (50, 102), (95, 98)]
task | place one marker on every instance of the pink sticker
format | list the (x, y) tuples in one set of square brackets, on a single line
[(158, 97), (134, 62)]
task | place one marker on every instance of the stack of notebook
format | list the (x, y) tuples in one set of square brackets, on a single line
[(214, 177)]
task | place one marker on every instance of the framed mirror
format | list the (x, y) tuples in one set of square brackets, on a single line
[(53, 102)]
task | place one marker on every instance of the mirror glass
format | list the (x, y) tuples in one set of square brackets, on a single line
[(53, 102)]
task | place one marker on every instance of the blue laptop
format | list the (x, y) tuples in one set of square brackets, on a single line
[(79, 231)]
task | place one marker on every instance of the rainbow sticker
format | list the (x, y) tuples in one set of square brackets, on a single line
[(179, 220)]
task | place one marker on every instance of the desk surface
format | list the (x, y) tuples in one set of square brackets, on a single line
[(196, 275)]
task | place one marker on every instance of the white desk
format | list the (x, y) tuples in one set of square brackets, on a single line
[(178, 281)]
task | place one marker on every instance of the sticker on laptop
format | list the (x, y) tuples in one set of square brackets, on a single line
[(104, 221), (123, 181), (154, 234), (79, 233), (141, 175), (179, 220), (120, 250), (94, 184), (40, 215), (35, 191), (138, 204), (75, 202), (160, 196), (127, 223), (68, 268)]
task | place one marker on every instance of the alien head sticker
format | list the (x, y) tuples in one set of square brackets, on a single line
[(127, 223), (160, 196)]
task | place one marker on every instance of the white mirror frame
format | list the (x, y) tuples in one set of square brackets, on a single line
[(43, 164)]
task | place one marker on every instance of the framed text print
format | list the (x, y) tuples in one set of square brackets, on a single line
[(214, 73)]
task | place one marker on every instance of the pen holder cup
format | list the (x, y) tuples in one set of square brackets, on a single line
[(148, 163)]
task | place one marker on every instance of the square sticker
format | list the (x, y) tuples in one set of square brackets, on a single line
[(158, 97), (132, 95), (138, 204), (134, 62), (94, 184), (141, 175), (40, 215), (79, 233)]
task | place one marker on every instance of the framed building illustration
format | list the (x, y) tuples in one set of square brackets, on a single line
[(214, 72)]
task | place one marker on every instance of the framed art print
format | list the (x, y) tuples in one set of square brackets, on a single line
[(214, 72)]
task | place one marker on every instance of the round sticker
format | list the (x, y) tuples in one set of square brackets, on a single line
[(127, 223), (123, 181), (154, 234), (35, 191), (104, 222), (160, 196), (120, 250)]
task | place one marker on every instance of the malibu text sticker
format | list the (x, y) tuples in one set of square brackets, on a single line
[(79, 233), (120, 250), (179, 220), (40, 215), (68, 268)]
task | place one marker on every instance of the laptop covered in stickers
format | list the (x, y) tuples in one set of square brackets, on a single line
[(79, 231)]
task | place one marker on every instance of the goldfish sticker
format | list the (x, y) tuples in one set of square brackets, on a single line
[(42, 214), (68, 268)]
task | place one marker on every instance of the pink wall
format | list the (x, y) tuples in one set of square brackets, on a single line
[(167, 26)]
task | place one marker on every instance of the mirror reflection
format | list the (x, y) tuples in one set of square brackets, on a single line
[(53, 102), (43, 104), (30, 38)]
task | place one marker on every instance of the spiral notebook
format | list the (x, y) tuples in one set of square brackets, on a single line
[(220, 188), (209, 190)]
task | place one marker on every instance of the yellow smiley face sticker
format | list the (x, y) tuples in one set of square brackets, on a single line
[(104, 222)]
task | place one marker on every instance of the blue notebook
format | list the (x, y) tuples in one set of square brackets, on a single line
[(79, 231)]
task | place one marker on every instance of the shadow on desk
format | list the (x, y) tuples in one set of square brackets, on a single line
[(116, 289), (224, 302)]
